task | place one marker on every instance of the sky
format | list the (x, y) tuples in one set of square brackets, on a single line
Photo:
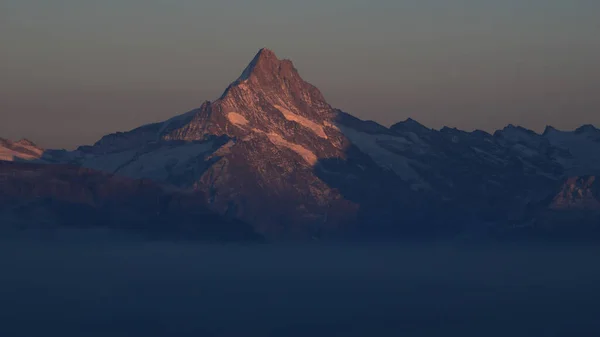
[(74, 70)]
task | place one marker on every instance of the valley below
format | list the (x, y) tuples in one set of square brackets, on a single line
[(107, 287)]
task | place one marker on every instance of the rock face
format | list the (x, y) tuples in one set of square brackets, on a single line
[(578, 193), (272, 152), (43, 197)]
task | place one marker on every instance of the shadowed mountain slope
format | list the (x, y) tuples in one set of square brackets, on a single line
[(47, 197)]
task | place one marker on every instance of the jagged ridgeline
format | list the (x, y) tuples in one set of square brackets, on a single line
[(273, 153)]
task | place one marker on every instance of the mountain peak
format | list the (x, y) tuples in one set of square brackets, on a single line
[(587, 128), (23, 142), (549, 129), (265, 62), (26, 142), (273, 81), (266, 53), (409, 125)]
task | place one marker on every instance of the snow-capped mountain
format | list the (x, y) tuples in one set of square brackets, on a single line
[(583, 146), (254, 151), (272, 152), (18, 151)]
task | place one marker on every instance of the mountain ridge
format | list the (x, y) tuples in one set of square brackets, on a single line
[(274, 153), (45, 198)]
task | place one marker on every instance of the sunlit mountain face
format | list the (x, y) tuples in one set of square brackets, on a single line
[(273, 154)]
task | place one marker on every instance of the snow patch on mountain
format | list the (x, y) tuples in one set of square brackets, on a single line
[(305, 153), (525, 151), (370, 145), (151, 163), (10, 155), (237, 119), (21, 150), (165, 161), (177, 121), (331, 125), (307, 123), (584, 147)]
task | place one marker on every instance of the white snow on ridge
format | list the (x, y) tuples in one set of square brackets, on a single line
[(181, 117), (154, 164), (584, 149), (12, 152), (367, 143), (307, 123), (330, 125), (157, 164), (10, 155), (237, 119), (525, 151), (308, 156), (277, 140)]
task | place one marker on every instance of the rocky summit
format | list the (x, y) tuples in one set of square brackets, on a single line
[(273, 153)]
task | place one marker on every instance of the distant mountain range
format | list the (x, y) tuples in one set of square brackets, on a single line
[(272, 153)]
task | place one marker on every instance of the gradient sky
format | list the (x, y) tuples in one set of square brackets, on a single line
[(73, 70)]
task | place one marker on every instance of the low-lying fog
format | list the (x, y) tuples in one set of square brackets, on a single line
[(66, 288)]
